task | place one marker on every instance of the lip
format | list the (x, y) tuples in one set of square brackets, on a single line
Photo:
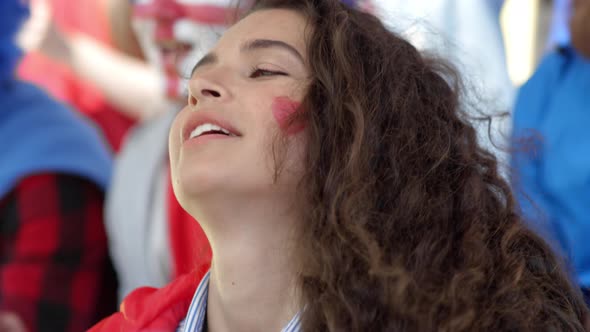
[(198, 118)]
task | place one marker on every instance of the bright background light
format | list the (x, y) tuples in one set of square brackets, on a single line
[(524, 26), (519, 20)]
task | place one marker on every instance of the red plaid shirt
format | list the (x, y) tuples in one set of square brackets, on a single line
[(55, 272)]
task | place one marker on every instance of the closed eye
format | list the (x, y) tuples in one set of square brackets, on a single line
[(257, 72)]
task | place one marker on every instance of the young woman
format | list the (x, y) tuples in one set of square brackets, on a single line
[(342, 189)]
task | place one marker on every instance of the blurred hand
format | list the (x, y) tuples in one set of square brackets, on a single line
[(35, 27), (39, 33), (580, 27), (10, 322)]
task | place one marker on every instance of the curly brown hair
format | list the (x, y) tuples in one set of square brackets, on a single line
[(408, 225)]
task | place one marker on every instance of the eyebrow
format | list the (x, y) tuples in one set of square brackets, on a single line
[(251, 46), (208, 59)]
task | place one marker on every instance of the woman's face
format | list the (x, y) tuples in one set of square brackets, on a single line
[(240, 95)]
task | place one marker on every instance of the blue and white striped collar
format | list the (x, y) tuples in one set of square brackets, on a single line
[(195, 317)]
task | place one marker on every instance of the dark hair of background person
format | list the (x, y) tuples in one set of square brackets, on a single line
[(407, 224)]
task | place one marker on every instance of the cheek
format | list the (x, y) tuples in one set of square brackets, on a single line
[(175, 136), (282, 109)]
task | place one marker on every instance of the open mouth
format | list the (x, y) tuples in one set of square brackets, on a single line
[(210, 129), (204, 124)]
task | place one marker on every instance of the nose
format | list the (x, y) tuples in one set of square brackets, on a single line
[(203, 89)]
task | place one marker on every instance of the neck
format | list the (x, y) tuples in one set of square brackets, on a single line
[(253, 280)]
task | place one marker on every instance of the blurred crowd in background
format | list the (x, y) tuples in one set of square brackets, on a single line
[(87, 212)]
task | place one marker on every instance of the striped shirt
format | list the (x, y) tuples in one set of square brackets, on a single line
[(197, 312)]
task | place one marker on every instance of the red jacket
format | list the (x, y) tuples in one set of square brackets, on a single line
[(149, 309)]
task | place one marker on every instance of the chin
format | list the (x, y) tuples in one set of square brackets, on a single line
[(195, 182), (216, 185)]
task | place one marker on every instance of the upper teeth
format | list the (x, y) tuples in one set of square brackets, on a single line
[(205, 127)]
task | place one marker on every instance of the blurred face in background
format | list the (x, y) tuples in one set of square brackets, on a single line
[(174, 33), (580, 27)]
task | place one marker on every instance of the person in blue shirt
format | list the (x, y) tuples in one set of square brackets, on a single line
[(551, 135)]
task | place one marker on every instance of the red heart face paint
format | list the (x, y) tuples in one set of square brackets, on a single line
[(282, 109)]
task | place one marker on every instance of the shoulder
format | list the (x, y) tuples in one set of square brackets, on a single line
[(560, 71), (43, 135), (18, 94), (26, 105), (155, 309), (552, 68), (552, 65), (534, 95)]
